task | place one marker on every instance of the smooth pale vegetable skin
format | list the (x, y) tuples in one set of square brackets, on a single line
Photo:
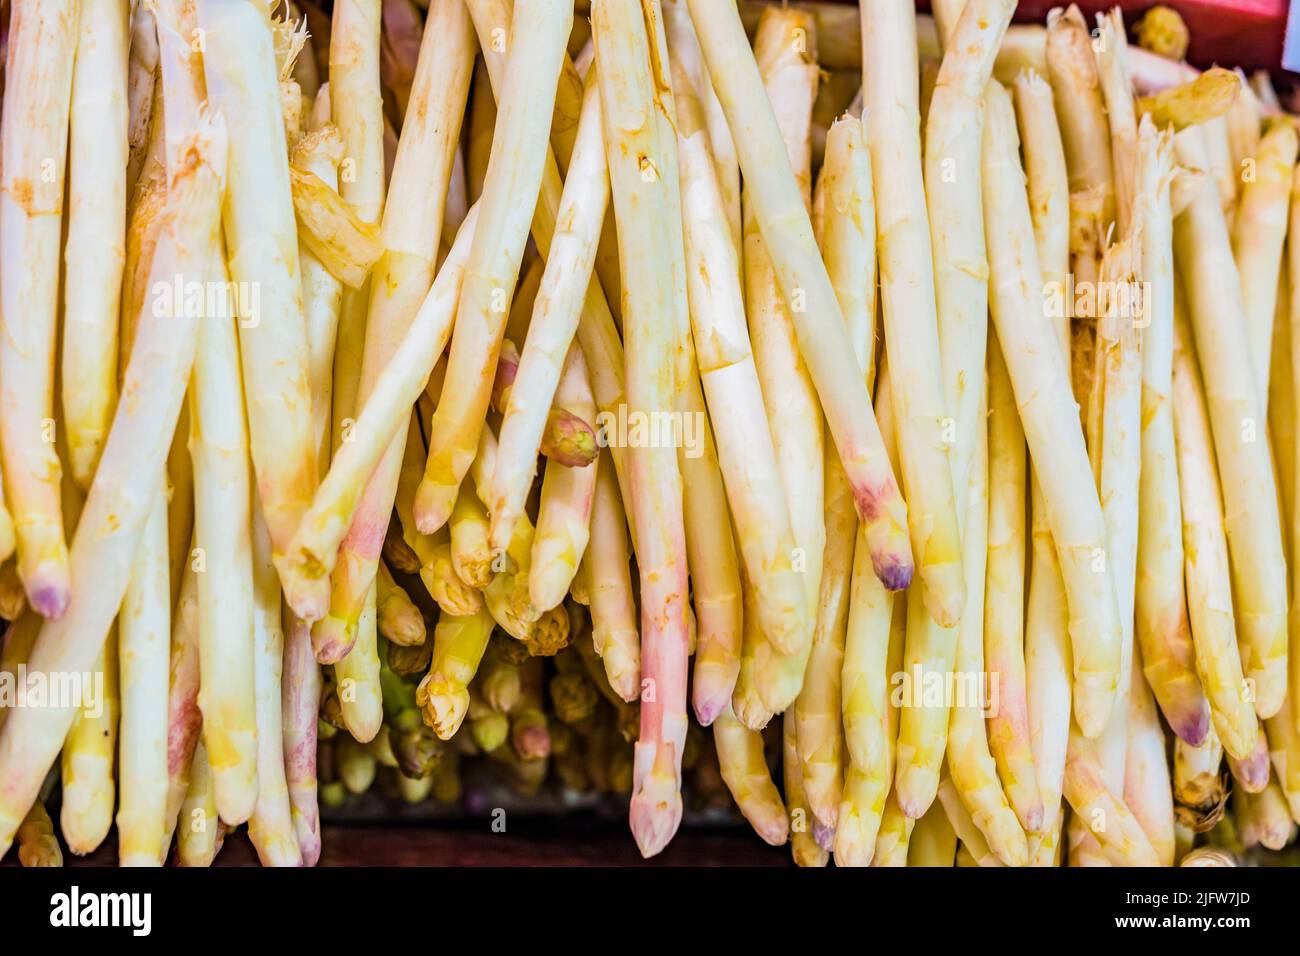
[(744, 770), (94, 253), (300, 692), (412, 223), (953, 130), (824, 342), (1047, 180), (519, 153), (316, 545), (219, 447), (87, 761), (183, 717), (1102, 811), (974, 772), (240, 69), (1004, 651), (654, 309), (42, 44), (909, 311), (200, 831), (1258, 235), (118, 503), (807, 837), (1147, 790), (1041, 382), (1209, 591), (785, 52), (971, 839), (271, 826), (1244, 120), (1285, 743), (895, 835), (933, 842), (1216, 305), (144, 633), (1161, 626), (556, 312), (731, 383), (564, 513), (1292, 325), (613, 604)]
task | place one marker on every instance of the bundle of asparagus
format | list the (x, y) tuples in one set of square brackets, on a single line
[(567, 390)]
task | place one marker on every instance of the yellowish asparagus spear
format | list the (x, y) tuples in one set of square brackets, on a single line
[(397, 617), (1004, 616), (357, 676), (1258, 234), (458, 646), (94, 251), (823, 339), (113, 519), (934, 842), (1209, 591), (1147, 789), (1102, 811), (1161, 627), (239, 63), (42, 45), (199, 832), (564, 514), (1041, 382), (1237, 419), (89, 788), (744, 770), (471, 550), (37, 844), (519, 153), (271, 825)]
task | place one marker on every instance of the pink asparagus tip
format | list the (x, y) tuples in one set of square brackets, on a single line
[(432, 506), (532, 742), (707, 706), (655, 815), (824, 836), (894, 572), (48, 591), (1252, 773), (331, 639), (568, 440), (309, 598)]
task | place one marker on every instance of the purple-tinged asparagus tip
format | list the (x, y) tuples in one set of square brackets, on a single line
[(707, 710), (48, 590), (894, 573), (824, 836), (1191, 728)]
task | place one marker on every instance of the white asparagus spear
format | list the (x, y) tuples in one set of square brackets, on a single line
[(240, 67), (118, 503), (515, 170), (1041, 382), (413, 217), (823, 338), (94, 252), (1250, 503), (42, 45), (637, 146), (554, 320)]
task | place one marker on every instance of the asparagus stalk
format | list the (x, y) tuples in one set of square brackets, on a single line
[(183, 717), (820, 328), (613, 607), (42, 46), (89, 788), (564, 514), (114, 516), (270, 826), (1040, 380), (240, 68), (94, 253), (514, 172), (300, 692), (732, 386), (1161, 626), (200, 834), (1209, 591), (144, 629), (413, 217), (807, 839), (744, 770), (1258, 235), (1147, 790), (554, 321), (1252, 522)]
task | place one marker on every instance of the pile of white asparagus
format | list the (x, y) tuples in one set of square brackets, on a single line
[(920, 389)]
